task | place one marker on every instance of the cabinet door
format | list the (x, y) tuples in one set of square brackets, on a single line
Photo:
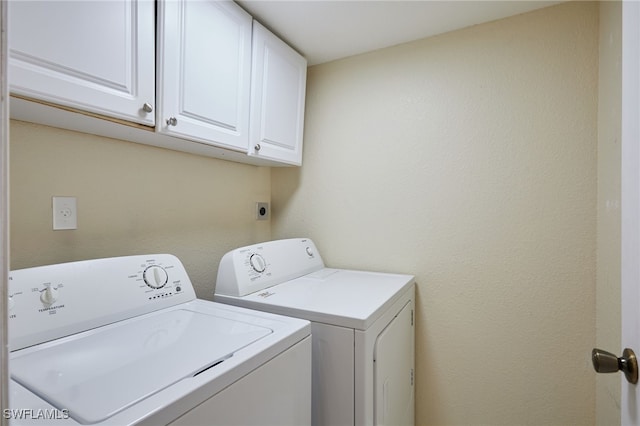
[(204, 71), (95, 56), (278, 86)]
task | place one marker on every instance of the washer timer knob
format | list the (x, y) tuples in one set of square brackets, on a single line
[(258, 263), (155, 276)]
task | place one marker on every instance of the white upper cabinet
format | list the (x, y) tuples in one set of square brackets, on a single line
[(204, 52), (94, 56), (201, 76), (278, 88)]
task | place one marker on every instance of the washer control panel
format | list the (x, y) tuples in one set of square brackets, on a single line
[(48, 302), (246, 270)]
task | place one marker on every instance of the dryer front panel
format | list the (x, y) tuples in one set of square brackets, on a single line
[(393, 371)]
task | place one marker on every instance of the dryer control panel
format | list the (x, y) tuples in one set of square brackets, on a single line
[(252, 268), (53, 301)]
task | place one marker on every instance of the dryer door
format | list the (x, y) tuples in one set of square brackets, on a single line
[(393, 371)]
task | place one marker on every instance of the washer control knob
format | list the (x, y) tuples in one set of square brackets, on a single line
[(155, 276), (257, 263), (49, 295), (309, 252)]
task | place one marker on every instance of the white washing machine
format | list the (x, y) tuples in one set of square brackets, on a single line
[(361, 325), (124, 341)]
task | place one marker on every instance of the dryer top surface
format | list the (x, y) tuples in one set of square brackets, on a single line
[(333, 296)]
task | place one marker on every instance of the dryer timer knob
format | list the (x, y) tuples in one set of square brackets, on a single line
[(258, 263)]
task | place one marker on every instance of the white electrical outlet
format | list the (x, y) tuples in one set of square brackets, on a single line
[(65, 213)]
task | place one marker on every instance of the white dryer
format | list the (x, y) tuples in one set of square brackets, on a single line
[(124, 341), (361, 324)]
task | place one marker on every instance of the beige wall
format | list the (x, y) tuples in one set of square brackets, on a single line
[(608, 317), (132, 199), (469, 160)]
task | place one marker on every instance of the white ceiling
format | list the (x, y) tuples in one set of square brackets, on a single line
[(325, 30)]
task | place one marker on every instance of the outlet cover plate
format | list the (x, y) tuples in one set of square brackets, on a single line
[(65, 213)]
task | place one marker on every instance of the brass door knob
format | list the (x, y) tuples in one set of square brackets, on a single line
[(606, 362)]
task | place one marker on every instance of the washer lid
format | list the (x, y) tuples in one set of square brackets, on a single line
[(106, 370), (346, 298)]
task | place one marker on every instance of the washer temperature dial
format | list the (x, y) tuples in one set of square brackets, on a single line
[(155, 276), (258, 263), (49, 295)]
